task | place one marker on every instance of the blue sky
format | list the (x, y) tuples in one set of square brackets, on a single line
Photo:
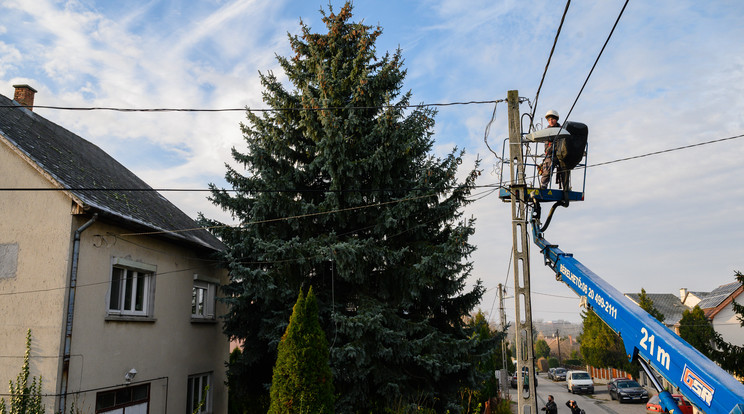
[(672, 75)]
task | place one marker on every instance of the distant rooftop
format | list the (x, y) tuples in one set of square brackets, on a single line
[(668, 304), (718, 295)]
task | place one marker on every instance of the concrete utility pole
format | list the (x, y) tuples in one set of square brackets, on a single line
[(503, 376), (558, 336), (526, 398)]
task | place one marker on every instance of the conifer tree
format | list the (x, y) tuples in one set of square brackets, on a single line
[(601, 347), (697, 331), (647, 304), (302, 380), (340, 192)]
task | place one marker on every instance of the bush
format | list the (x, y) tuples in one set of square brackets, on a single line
[(302, 381)]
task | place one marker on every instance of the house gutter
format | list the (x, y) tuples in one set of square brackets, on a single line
[(71, 312)]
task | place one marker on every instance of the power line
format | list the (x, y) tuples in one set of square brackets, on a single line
[(555, 41), (595, 63), (297, 190), (328, 108), (667, 150)]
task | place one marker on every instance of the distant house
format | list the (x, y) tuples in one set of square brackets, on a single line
[(115, 283), (668, 304), (689, 298), (718, 309)]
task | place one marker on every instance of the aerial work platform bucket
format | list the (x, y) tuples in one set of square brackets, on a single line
[(568, 151)]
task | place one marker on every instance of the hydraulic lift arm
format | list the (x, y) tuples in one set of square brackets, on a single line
[(646, 339)]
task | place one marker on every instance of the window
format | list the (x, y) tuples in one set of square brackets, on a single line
[(203, 297), (129, 400), (131, 288), (199, 394)]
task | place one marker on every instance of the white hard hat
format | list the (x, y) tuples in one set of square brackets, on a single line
[(552, 113)]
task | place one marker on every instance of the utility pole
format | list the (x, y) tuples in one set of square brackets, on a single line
[(526, 399), (558, 336), (504, 363)]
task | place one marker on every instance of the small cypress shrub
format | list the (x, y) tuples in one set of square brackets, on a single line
[(302, 380)]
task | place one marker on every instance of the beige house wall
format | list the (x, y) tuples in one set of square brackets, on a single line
[(164, 349), (36, 231), (35, 237)]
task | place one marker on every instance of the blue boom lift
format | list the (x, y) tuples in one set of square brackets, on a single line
[(646, 340)]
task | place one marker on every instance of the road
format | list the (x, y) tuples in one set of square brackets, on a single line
[(597, 403)]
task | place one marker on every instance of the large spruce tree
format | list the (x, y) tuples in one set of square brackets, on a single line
[(340, 191)]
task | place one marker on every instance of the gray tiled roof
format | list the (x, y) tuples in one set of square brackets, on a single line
[(78, 164), (666, 303), (718, 295)]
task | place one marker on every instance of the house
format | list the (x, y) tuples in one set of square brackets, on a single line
[(718, 310), (116, 284), (689, 298), (667, 303)]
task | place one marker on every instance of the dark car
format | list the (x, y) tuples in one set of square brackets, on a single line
[(559, 374), (550, 373), (612, 382), (627, 390), (653, 405)]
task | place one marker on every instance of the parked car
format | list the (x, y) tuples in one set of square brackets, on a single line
[(627, 390), (614, 380), (559, 374), (579, 381), (513, 379), (550, 373), (653, 405)]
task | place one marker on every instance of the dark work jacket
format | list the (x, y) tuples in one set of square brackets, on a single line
[(550, 408), (574, 409)]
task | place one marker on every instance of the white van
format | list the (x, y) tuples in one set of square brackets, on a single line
[(579, 381)]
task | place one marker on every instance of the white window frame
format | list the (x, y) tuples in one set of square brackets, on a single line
[(195, 392), (203, 297), (131, 284)]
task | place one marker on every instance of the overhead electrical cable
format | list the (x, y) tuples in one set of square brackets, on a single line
[(595, 63), (667, 150), (295, 190), (116, 109), (555, 41), (491, 186)]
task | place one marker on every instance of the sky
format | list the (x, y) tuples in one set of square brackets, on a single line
[(672, 75)]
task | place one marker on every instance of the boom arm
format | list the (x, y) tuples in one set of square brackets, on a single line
[(700, 380)]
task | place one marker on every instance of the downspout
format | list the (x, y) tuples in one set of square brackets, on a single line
[(71, 312)]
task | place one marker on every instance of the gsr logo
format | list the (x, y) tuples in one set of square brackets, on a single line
[(697, 385)]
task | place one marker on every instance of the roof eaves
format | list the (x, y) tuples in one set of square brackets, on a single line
[(53, 180)]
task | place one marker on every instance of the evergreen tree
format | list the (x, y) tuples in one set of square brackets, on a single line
[(648, 305), (491, 339), (601, 347), (340, 192), (697, 331), (302, 380), (542, 349)]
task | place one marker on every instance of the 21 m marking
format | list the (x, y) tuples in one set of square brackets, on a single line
[(647, 343)]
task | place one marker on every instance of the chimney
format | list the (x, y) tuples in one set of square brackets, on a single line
[(24, 95)]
